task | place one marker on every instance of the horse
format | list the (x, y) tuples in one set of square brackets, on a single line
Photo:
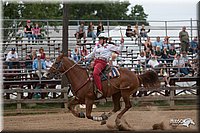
[(83, 87)]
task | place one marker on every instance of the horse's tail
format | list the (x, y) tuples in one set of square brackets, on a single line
[(149, 79)]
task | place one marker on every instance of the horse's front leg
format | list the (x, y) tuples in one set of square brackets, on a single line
[(89, 104), (71, 107)]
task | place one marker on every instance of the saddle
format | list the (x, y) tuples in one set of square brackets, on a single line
[(108, 72)]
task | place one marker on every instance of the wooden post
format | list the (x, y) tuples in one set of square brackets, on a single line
[(64, 81), (65, 97), (171, 97), (18, 100)]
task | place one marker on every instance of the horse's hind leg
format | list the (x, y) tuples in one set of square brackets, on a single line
[(126, 98), (116, 101)]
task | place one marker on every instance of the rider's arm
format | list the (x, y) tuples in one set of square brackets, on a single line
[(91, 54), (117, 49)]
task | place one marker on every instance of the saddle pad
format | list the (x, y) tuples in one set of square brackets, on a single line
[(114, 72)]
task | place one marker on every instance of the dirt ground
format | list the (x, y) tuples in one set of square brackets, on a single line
[(138, 120)]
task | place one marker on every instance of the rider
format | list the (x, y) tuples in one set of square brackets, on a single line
[(101, 53)]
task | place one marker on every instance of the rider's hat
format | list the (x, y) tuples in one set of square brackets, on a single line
[(103, 36)]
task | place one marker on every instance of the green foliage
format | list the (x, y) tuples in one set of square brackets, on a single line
[(77, 11)]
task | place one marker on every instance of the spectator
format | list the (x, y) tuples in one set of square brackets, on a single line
[(113, 61), (179, 63), (37, 32), (42, 53), (142, 58), (12, 59), (136, 31), (148, 54), (28, 30), (153, 62), (84, 52), (20, 32), (158, 52), (164, 55), (80, 32), (69, 54), (166, 43), (143, 32), (77, 54), (148, 44), (165, 74), (172, 53), (193, 46), (184, 39), (158, 43), (48, 62), (39, 67), (91, 32), (129, 32), (100, 28), (33, 55)]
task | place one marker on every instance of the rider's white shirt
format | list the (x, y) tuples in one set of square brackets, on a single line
[(105, 51)]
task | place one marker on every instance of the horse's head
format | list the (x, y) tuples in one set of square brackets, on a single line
[(57, 68)]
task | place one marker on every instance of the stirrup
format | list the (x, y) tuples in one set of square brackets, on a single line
[(99, 94)]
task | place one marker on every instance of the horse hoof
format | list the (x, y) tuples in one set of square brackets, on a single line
[(81, 115), (104, 116), (103, 122)]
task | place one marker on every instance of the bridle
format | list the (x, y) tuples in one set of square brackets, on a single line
[(60, 64)]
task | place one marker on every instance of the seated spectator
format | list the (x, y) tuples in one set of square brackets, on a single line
[(48, 62), (129, 32), (100, 28), (165, 56), (148, 44), (166, 43), (143, 32), (172, 52), (142, 58), (91, 31), (28, 31), (39, 66), (136, 31), (158, 43), (153, 62), (158, 52), (20, 32), (84, 52), (148, 54), (69, 53), (42, 53), (80, 32), (179, 63), (33, 55), (193, 46), (37, 32), (12, 59), (113, 61), (76, 54), (165, 74)]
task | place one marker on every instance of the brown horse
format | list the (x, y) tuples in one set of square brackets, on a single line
[(83, 86)]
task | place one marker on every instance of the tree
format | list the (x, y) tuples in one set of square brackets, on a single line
[(137, 14)]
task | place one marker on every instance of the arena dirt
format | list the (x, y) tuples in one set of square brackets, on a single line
[(138, 120)]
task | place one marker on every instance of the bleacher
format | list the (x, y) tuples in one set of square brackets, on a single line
[(23, 77)]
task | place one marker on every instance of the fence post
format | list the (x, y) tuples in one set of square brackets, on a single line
[(65, 97), (19, 106), (191, 28), (166, 28), (172, 97), (108, 24)]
